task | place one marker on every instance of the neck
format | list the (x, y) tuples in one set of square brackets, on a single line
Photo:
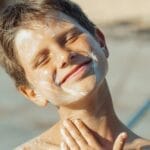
[(98, 113)]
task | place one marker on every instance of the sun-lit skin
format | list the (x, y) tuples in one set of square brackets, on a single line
[(48, 50), (46, 76)]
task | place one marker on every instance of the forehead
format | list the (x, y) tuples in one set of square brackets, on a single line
[(51, 24)]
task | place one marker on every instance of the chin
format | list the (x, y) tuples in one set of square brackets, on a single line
[(75, 94), (79, 91)]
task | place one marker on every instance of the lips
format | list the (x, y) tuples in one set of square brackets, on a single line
[(75, 69)]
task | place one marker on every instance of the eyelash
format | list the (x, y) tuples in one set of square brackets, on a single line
[(72, 37), (43, 60)]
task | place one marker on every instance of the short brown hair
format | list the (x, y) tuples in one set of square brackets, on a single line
[(13, 16)]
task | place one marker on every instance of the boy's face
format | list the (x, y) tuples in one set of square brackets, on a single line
[(62, 60)]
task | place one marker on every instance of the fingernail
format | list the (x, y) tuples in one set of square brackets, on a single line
[(124, 134)]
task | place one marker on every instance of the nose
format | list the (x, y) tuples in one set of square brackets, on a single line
[(64, 58)]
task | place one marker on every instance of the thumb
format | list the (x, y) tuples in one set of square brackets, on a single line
[(120, 141)]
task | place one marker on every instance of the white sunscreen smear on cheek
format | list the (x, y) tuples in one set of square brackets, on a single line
[(93, 56), (44, 81), (51, 91), (23, 38), (74, 91), (98, 64)]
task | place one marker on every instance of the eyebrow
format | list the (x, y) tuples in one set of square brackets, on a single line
[(62, 36), (73, 29), (43, 51)]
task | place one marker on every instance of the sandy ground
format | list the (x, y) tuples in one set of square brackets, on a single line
[(128, 76)]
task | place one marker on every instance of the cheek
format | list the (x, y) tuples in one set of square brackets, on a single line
[(41, 78), (81, 45), (100, 64), (44, 83), (97, 52)]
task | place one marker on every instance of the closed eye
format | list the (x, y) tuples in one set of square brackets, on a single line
[(72, 36), (42, 60)]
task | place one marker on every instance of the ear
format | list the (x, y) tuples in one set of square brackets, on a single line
[(32, 95), (101, 39)]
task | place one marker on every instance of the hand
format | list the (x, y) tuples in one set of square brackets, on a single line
[(77, 136)]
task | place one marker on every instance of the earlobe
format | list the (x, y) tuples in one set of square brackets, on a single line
[(32, 95), (101, 39)]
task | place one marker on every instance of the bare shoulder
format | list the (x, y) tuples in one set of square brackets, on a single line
[(48, 140), (138, 144)]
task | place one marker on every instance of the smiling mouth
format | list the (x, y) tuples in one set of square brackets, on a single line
[(74, 70)]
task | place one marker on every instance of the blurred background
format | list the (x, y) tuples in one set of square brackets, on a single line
[(126, 25)]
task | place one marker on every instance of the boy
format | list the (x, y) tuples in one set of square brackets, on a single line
[(56, 54)]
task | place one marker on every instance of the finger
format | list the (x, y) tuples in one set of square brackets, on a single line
[(64, 146), (74, 132), (68, 139), (87, 134), (120, 141)]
